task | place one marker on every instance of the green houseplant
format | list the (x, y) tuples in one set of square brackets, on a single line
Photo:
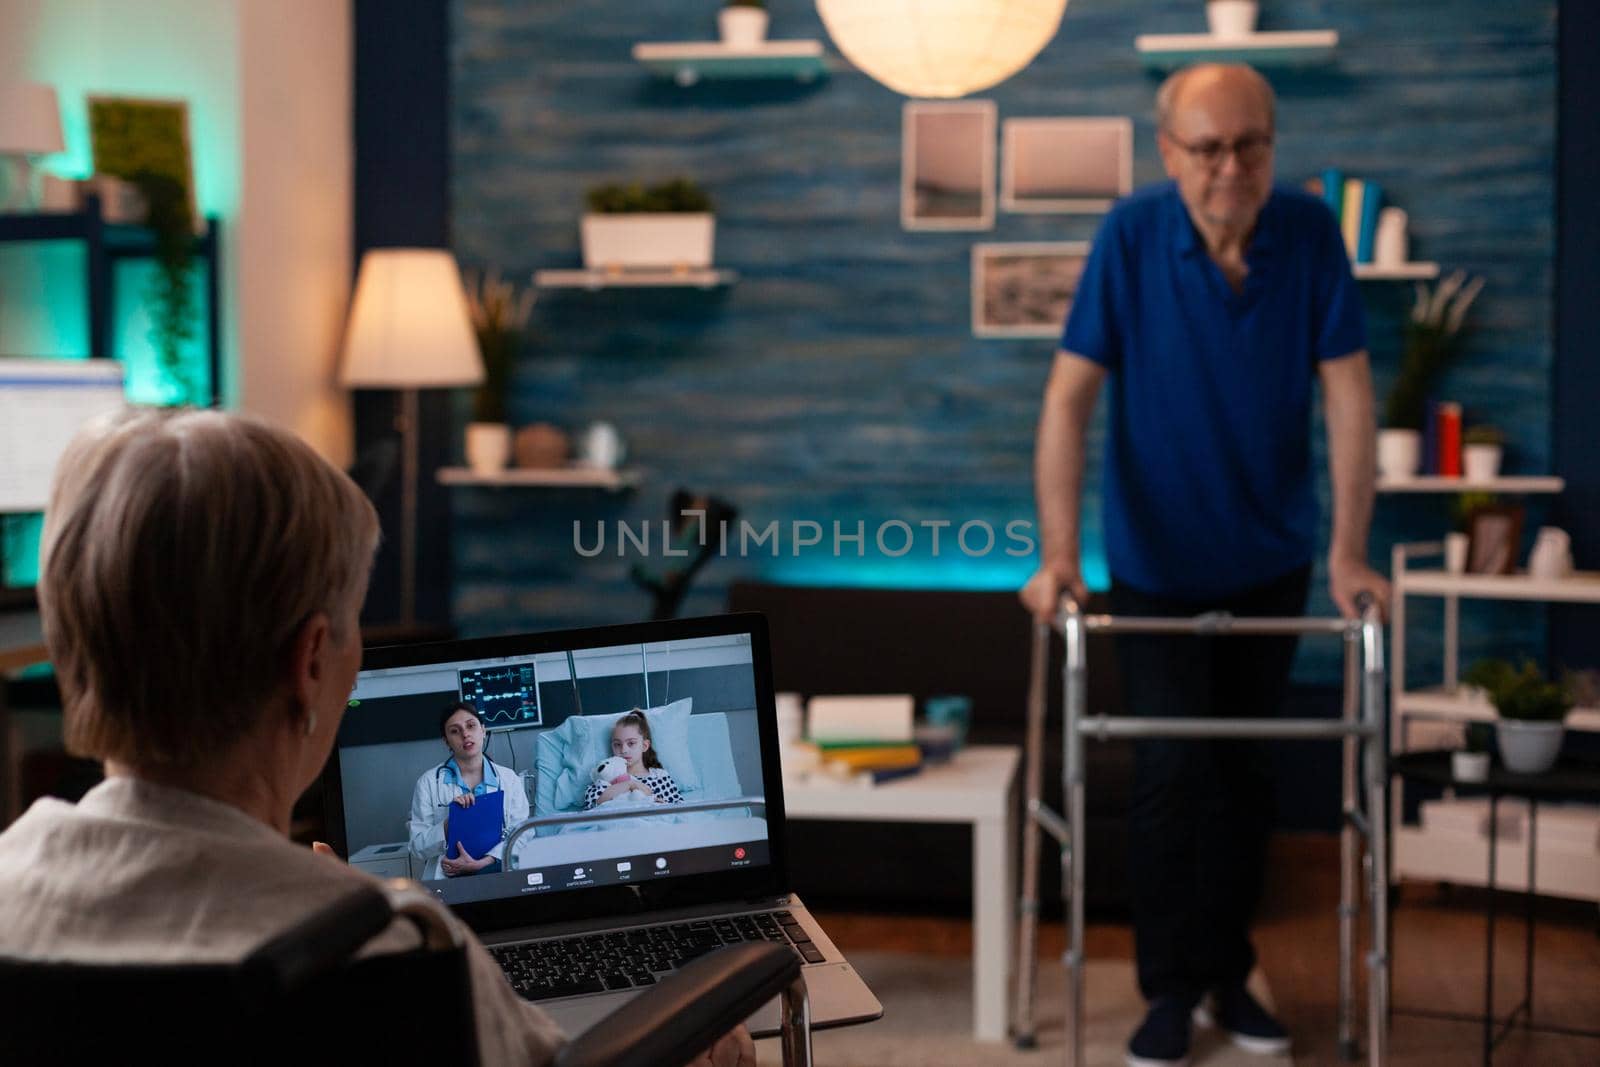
[(500, 320), (1531, 709), (668, 226), (146, 143), (1432, 340)]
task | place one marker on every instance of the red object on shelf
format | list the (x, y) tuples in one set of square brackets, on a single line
[(1449, 435)]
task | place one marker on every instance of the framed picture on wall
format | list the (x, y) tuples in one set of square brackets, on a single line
[(1025, 289), (1494, 533), (1065, 165), (947, 165), (136, 138)]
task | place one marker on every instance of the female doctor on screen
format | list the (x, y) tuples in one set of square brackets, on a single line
[(457, 783)]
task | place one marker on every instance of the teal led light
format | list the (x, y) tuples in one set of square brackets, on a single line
[(955, 571)]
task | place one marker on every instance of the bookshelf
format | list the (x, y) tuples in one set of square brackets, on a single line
[(1429, 852)]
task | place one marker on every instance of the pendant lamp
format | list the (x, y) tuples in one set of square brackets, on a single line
[(941, 48)]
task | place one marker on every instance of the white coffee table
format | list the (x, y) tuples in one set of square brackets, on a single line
[(979, 788)]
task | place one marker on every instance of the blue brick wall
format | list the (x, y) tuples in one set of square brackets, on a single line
[(839, 378)]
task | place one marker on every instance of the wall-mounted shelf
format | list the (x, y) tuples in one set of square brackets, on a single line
[(688, 62), (1168, 51), (1580, 587), (1436, 484), (634, 279), (107, 244), (1463, 706), (572, 476), (1419, 271)]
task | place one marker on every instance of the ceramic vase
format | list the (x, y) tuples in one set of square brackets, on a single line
[(1399, 453), (1231, 18), (488, 447), (742, 27), (1529, 747), (1481, 463)]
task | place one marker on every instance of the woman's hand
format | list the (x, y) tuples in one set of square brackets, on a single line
[(733, 1049), (463, 863), (465, 800)]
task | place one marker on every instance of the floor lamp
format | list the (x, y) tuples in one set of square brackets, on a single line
[(409, 329)]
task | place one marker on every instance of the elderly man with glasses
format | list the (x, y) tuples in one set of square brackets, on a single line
[(1212, 302)]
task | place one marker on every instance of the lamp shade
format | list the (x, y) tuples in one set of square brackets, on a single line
[(409, 325), (30, 120), (941, 48)]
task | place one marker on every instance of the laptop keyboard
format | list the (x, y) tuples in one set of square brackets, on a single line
[(622, 959)]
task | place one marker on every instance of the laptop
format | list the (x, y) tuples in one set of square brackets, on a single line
[(584, 904)]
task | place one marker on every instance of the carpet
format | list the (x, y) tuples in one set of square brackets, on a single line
[(927, 1020)]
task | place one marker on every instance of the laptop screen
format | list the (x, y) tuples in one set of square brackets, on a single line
[(559, 764)]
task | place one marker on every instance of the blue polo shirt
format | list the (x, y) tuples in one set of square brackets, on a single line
[(1208, 484)]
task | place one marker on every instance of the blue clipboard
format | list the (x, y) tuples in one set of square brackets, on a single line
[(477, 827)]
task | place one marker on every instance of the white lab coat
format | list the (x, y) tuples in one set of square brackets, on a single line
[(430, 803)]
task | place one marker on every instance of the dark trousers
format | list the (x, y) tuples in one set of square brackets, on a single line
[(1201, 809)]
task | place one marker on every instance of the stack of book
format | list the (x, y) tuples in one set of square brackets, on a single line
[(1355, 202), (866, 763), (863, 740)]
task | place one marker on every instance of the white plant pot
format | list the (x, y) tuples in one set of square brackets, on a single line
[(1231, 18), (644, 240), (1399, 453), (1480, 463), (742, 27), (1469, 766), (1529, 747), (488, 447)]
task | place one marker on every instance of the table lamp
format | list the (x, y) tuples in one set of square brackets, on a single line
[(30, 126), (409, 329)]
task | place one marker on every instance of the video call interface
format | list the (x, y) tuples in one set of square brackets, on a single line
[(582, 768)]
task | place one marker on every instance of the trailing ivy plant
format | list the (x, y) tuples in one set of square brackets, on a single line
[(171, 298)]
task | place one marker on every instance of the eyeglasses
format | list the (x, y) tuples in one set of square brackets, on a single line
[(1251, 150)]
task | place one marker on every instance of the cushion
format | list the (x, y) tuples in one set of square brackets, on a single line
[(588, 741)]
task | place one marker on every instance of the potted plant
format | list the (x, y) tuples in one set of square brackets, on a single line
[(1471, 764), (665, 226), (1482, 448), (743, 23), (499, 318), (1432, 340), (171, 223), (1531, 710), (1231, 18)]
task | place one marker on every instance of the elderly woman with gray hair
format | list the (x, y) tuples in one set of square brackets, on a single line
[(201, 582)]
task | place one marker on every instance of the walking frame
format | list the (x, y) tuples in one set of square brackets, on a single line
[(1360, 726)]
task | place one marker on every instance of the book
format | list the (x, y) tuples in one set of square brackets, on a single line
[(874, 758), (1333, 190), (831, 746), (1350, 215), (1430, 437), (1367, 230), (868, 778), (860, 718)]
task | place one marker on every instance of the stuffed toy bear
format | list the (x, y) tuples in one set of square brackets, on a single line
[(610, 771)]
